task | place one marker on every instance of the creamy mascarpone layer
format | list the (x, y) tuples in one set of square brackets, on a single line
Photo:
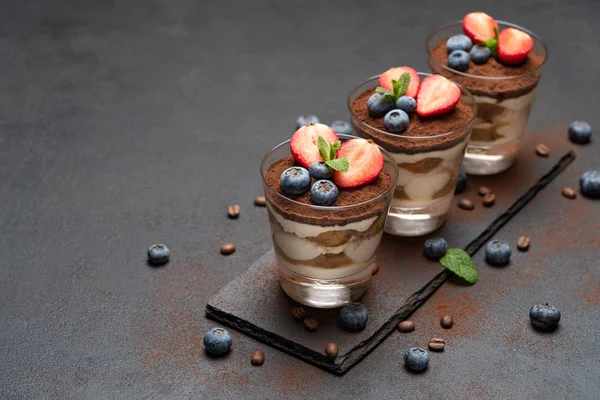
[(326, 273)]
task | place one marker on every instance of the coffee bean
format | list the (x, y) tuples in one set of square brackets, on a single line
[(542, 150), (483, 190), (375, 269), (523, 243), (569, 193), (437, 344), (298, 313), (227, 248), (258, 358), (233, 211), (489, 199), (466, 204), (331, 349), (260, 201), (310, 324), (446, 321), (406, 326)]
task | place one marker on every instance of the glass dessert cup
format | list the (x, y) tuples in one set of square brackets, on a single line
[(325, 254), (503, 105), (428, 168)]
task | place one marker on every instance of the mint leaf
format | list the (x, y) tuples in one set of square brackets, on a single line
[(403, 84), (339, 164), (324, 148), (459, 262), (335, 146), (382, 90)]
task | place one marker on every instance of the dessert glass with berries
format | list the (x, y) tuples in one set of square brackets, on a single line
[(424, 121), (327, 199), (501, 65)]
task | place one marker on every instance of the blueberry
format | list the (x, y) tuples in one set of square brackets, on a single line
[(580, 132), (406, 104), (590, 184), (319, 170), (295, 180), (306, 119), (461, 184), (480, 54), (435, 248), (341, 127), (324, 193), (459, 42), (416, 359), (354, 316), (544, 317), (497, 252), (158, 254), (459, 60), (396, 121), (217, 341), (377, 106)]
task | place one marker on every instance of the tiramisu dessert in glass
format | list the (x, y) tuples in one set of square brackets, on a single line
[(500, 64), (327, 198), (424, 122)]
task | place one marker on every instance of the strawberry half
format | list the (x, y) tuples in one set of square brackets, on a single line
[(479, 27), (304, 147), (385, 80), (513, 46), (366, 163), (437, 95)]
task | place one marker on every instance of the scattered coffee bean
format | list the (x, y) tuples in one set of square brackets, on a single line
[(375, 269), (233, 211), (466, 204), (310, 324), (446, 321), (542, 150), (569, 193), (483, 190), (489, 199), (523, 243), (437, 344), (260, 201), (331, 349), (406, 326), (298, 313), (227, 248), (258, 358)]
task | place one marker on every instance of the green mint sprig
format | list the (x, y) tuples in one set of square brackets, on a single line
[(460, 263), (328, 152), (492, 44), (400, 87)]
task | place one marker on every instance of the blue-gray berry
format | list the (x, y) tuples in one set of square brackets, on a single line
[(435, 248), (580, 132), (306, 119), (589, 183), (544, 317), (480, 54), (459, 60), (217, 341), (396, 121), (324, 193), (459, 42), (319, 170), (354, 316), (497, 252), (377, 105), (341, 127), (461, 184), (406, 104), (158, 254), (416, 359), (295, 180)]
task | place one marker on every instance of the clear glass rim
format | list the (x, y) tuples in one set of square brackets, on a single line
[(415, 138), (386, 155), (533, 35)]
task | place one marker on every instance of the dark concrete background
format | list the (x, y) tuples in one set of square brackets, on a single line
[(123, 124)]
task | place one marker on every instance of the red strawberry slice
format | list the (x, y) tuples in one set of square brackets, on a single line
[(385, 80), (513, 46), (366, 163), (304, 147), (437, 95), (479, 27)]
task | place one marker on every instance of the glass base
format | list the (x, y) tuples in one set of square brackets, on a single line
[(328, 293), (490, 160), (417, 221)]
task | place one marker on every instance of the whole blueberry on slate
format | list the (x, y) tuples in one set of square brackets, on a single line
[(480, 54), (459, 60), (589, 184), (324, 193), (461, 184), (354, 316), (459, 42), (406, 104), (217, 341), (341, 127), (544, 317), (396, 121), (580, 132), (319, 170), (377, 105), (158, 254), (306, 119), (435, 248), (295, 180), (416, 359), (497, 252)]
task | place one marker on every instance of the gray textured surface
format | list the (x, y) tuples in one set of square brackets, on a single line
[(123, 124)]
